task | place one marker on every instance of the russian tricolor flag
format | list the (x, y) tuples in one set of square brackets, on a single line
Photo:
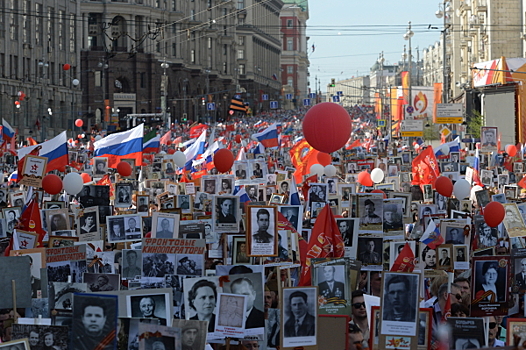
[(151, 142), (268, 137), (196, 149), (454, 146), (126, 144), (55, 150), (294, 198), (8, 131), (432, 236), (259, 149), (242, 194)]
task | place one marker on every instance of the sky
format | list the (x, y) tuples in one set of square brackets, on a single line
[(349, 35)]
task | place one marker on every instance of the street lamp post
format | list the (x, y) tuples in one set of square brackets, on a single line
[(164, 83), (407, 36), (444, 12)]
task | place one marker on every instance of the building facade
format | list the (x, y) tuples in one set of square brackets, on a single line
[(294, 57)]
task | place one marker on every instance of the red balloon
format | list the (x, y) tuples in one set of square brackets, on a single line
[(52, 184), (223, 160), (170, 151), (444, 186), (124, 169), (85, 177), (238, 138), (365, 179), (324, 158), (327, 127), (79, 123), (494, 214), (511, 150), (379, 191), (62, 169), (66, 66)]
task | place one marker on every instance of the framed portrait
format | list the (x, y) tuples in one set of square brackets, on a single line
[(3, 197), (518, 167), (24, 239), (299, 303), (241, 170), (511, 191), (101, 166), (226, 185), (318, 193), (400, 299), (102, 282), (61, 241), (262, 230), (225, 214), (427, 190), (489, 285), (123, 195), (143, 204), (488, 139), (277, 198), (406, 201), (370, 249), (168, 167), (209, 184), (231, 314), (100, 306), (395, 248), (374, 327), (454, 230), (348, 228), (193, 334), (424, 328), (240, 251), (460, 257), (333, 282), (150, 305), (184, 202), (207, 287), (18, 199), (393, 212), (132, 227), (425, 211), (33, 170), (54, 205), (445, 260), (370, 211), (115, 229), (257, 169), (165, 225), (513, 220), (131, 263), (294, 214), (30, 336), (88, 224)]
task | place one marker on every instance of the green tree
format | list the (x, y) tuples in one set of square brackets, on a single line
[(431, 132), (474, 121)]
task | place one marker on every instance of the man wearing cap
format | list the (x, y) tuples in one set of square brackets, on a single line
[(392, 220), (370, 218), (184, 267), (189, 337)]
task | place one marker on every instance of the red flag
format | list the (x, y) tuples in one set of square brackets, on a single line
[(425, 168), (447, 309), (356, 143), (326, 241), (165, 139), (306, 185), (197, 130), (522, 182), (31, 141), (284, 224), (30, 220), (405, 262), (298, 154)]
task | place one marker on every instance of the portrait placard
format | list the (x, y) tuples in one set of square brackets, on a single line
[(331, 276), (262, 231), (299, 303), (231, 315), (88, 224), (33, 170), (165, 225), (202, 288), (226, 214), (166, 338), (488, 139), (489, 287), (150, 305)]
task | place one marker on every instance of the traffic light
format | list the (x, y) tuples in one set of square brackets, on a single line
[(185, 117), (203, 101), (333, 82)]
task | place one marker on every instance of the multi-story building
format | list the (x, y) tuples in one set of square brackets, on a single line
[(39, 45), (258, 50), (294, 59), (152, 57), (354, 91)]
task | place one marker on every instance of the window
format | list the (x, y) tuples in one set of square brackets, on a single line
[(50, 29), (192, 56), (13, 20), (209, 43), (290, 69), (39, 28), (241, 40), (26, 22), (98, 78), (192, 15), (241, 69), (289, 23), (240, 4), (225, 68), (290, 44), (290, 82), (61, 30), (72, 38), (174, 5), (225, 49), (174, 49), (240, 54), (2, 15), (143, 80)]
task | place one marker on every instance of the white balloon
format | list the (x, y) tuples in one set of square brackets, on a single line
[(330, 170), (73, 183), (475, 188), (461, 189), (179, 159), (377, 175), (445, 149), (317, 169)]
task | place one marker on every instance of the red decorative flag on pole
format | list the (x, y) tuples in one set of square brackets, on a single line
[(405, 262), (325, 241), (425, 168)]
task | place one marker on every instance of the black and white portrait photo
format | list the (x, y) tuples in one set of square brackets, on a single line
[(332, 282), (131, 263), (40, 337), (63, 294), (231, 314), (132, 227), (151, 305), (209, 184), (444, 257), (299, 325), (165, 225), (189, 264), (262, 229), (454, 234), (318, 192), (101, 166), (115, 229), (240, 170), (258, 169), (123, 195), (400, 303), (19, 344), (488, 139), (200, 298), (226, 185), (370, 250), (193, 333), (94, 321), (226, 213), (293, 213), (489, 280), (370, 210), (88, 224)]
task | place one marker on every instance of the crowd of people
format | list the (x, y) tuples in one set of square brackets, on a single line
[(401, 258)]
